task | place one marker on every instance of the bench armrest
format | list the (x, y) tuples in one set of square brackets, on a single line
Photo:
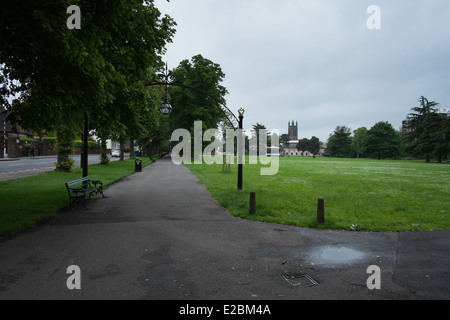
[(97, 182), (77, 191)]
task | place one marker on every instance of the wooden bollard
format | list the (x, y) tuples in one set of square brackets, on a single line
[(224, 163), (320, 210), (252, 208)]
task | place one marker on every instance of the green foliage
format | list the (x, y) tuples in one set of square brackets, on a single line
[(49, 140), (359, 142), (312, 145), (28, 140), (441, 138), (190, 105), (104, 160), (78, 143), (382, 141), (65, 165), (91, 144), (430, 133), (340, 143), (64, 147), (62, 75)]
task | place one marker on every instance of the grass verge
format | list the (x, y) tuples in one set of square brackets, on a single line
[(25, 201), (359, 194)]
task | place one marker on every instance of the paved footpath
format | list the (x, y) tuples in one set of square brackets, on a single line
[(160, 235)]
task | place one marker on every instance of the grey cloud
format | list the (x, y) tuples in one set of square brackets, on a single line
[(315, 61)]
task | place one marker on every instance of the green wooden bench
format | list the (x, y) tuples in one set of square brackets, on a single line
[(83, 188)]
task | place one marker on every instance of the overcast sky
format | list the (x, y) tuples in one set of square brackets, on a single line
[(316, 61)]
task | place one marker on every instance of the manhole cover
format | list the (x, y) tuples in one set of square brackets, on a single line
[(300, 280)]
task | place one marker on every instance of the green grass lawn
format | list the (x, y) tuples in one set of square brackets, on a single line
[(25, 201), (360, 194)]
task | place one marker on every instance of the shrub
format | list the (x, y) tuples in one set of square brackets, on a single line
[(49, 140), (65, 166)]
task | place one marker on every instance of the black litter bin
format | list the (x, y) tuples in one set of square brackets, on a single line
[(138, 165)]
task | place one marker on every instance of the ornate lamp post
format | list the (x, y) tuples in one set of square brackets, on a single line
[(166, 108)]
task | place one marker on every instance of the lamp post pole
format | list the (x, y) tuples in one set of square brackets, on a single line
[(84, 151), (4, 138), (241, 148)]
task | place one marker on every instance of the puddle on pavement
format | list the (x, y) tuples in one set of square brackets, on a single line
[(329, 255)]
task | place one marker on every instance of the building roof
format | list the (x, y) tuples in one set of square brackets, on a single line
[(292, 144)]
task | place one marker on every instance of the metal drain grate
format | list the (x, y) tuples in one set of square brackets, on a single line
[(300, 280)]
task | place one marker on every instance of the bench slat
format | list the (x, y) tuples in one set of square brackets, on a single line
[(77, 181)]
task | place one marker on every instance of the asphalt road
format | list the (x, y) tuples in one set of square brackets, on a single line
[(22, 167), (25, 163), (159, 235)]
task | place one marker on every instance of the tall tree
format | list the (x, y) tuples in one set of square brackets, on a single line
[(199, 96), (190, 105), (303, 144), (442, 148), (359, 141), (284, 138), (314, 145), (418, 122), (340, 143), (436, 137), (383, 141), (62, 75)]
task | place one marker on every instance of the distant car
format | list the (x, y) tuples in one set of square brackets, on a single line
[(115, 153)]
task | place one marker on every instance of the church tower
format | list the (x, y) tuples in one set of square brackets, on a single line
[(293, 130)]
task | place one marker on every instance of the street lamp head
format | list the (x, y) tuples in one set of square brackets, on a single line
[(165, 108)]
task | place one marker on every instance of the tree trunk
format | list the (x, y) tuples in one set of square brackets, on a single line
[(103, 157), (122, 148), (64, 149), (132, 149)]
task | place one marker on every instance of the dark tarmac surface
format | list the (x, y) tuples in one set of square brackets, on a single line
[(160, 235)]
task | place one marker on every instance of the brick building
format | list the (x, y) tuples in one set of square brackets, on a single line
[(16, 142)]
